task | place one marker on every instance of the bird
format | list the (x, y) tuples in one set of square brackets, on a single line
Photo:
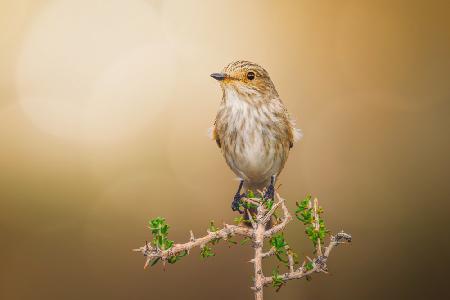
[(252, 128)]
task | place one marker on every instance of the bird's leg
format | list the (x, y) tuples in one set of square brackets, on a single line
[(237, 199), (270, 192)]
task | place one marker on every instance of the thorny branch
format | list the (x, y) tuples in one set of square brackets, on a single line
[(225, 233), (318, 263), (259, 229)]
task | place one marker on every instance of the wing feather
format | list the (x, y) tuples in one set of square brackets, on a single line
[(214, 136)]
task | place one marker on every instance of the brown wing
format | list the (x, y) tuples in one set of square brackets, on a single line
[(293, 133), (215, 136), (288, 129), (291, 138)]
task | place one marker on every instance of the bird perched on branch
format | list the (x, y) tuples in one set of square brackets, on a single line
[(252, 128)]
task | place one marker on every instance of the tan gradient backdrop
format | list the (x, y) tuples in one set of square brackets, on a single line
[(104, 110)]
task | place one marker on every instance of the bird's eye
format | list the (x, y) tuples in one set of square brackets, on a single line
[(251, 75)]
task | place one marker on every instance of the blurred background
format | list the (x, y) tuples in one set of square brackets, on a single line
[(104, 110)]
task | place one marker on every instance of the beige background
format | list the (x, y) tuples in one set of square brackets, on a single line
[(104, 109)]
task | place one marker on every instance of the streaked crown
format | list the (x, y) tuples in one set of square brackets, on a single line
[(246, 78)]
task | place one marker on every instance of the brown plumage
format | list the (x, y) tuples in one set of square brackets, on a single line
[(252, 127)]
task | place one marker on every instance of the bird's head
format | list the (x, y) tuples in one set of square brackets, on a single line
[(247, 79)]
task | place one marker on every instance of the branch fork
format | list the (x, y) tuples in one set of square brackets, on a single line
[(260, 230)]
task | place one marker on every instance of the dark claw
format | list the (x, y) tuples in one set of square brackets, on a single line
[(237, 203), (237, 199), (270, 192)]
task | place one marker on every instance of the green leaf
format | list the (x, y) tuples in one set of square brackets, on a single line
[(177, 257), (172, 259), (309, 266), (283, 260), (245, 241), (155, 261), (248, 205), (206, 252), (212, 227), (278, 241), (239, 220), (168, 244), (160, 231), (277, 280), (304, 212), (269, 204), (232, 241)]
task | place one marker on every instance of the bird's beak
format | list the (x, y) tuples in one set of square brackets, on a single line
[(219, 76)]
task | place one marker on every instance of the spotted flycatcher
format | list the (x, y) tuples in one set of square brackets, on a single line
[(252, 128)]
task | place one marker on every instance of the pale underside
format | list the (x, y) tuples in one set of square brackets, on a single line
[(254, 139)]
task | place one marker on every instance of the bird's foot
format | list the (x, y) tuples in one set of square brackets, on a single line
[(235, 205), (270, 191)]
